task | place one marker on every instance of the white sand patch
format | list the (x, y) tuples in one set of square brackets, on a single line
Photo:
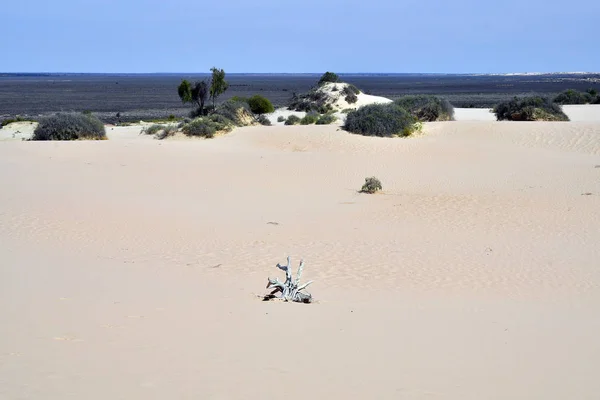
[(285, 113), (583, 113), (18, 130), (474, 114)]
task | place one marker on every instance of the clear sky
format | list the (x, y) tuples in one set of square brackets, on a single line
[(461, 36)]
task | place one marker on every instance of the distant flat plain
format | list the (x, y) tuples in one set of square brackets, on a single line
[(138, 96)]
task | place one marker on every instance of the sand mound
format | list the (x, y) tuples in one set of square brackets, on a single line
[(18, 130), (335, 97)]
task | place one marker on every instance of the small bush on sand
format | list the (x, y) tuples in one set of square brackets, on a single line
[(350, 89), (309, 118), (281, 118), (263, 120), (69, 126), (328, 77), (152, 129), (371, 185), (351, 98), (529, 109), (260, 105), (381, 120), (293, 120), (326, 119), (427, 108), (206, 127)]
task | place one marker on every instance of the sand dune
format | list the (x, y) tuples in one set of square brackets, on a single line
[(131, 267)]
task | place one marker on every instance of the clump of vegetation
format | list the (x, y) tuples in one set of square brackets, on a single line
[(260, 105), (309, 119), (529, 109), (328, 77), (350, 89), (293, 120), (263, 120), (281, 118), (351, 98), (571, 96), (381, 120), (69, 126), (205, 127), (18, 118), (326, 119), (427, 108), (152, 129), (371, 185), (238, 112)]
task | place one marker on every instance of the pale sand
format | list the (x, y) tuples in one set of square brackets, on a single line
[(576, 113), (130, 267)]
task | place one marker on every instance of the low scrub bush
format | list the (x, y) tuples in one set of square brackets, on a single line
[(381, 120), (351, 98), (206, 127), (427, 108), (263, 120), (152, 129), (309, 119), (260, 105), (69, 126), (326, 119), (281, 118), (529, 109), (238, 112), (293, 120), (371, 185), (350, 89)]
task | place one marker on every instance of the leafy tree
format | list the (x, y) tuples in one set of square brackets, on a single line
[(196, 93), (218, 84), (260, 105)]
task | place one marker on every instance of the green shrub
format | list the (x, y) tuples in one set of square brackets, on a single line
[(571, 96), (427, 108), (309, 118), (281, 118), (206, 127), (350, 89), (293, 120), (260, 105), (381, 120), (69, 126), (263, 120), (152, 129), (529, 109), (328, 77), (326, 119), (371, 185), (351, 98), (238, 112)]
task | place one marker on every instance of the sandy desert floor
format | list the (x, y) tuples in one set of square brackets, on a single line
[(132, 268)]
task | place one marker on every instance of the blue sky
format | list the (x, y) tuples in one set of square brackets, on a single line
[(459, 36)]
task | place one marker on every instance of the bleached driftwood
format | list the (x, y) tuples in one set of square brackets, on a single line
[(290, 290)]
